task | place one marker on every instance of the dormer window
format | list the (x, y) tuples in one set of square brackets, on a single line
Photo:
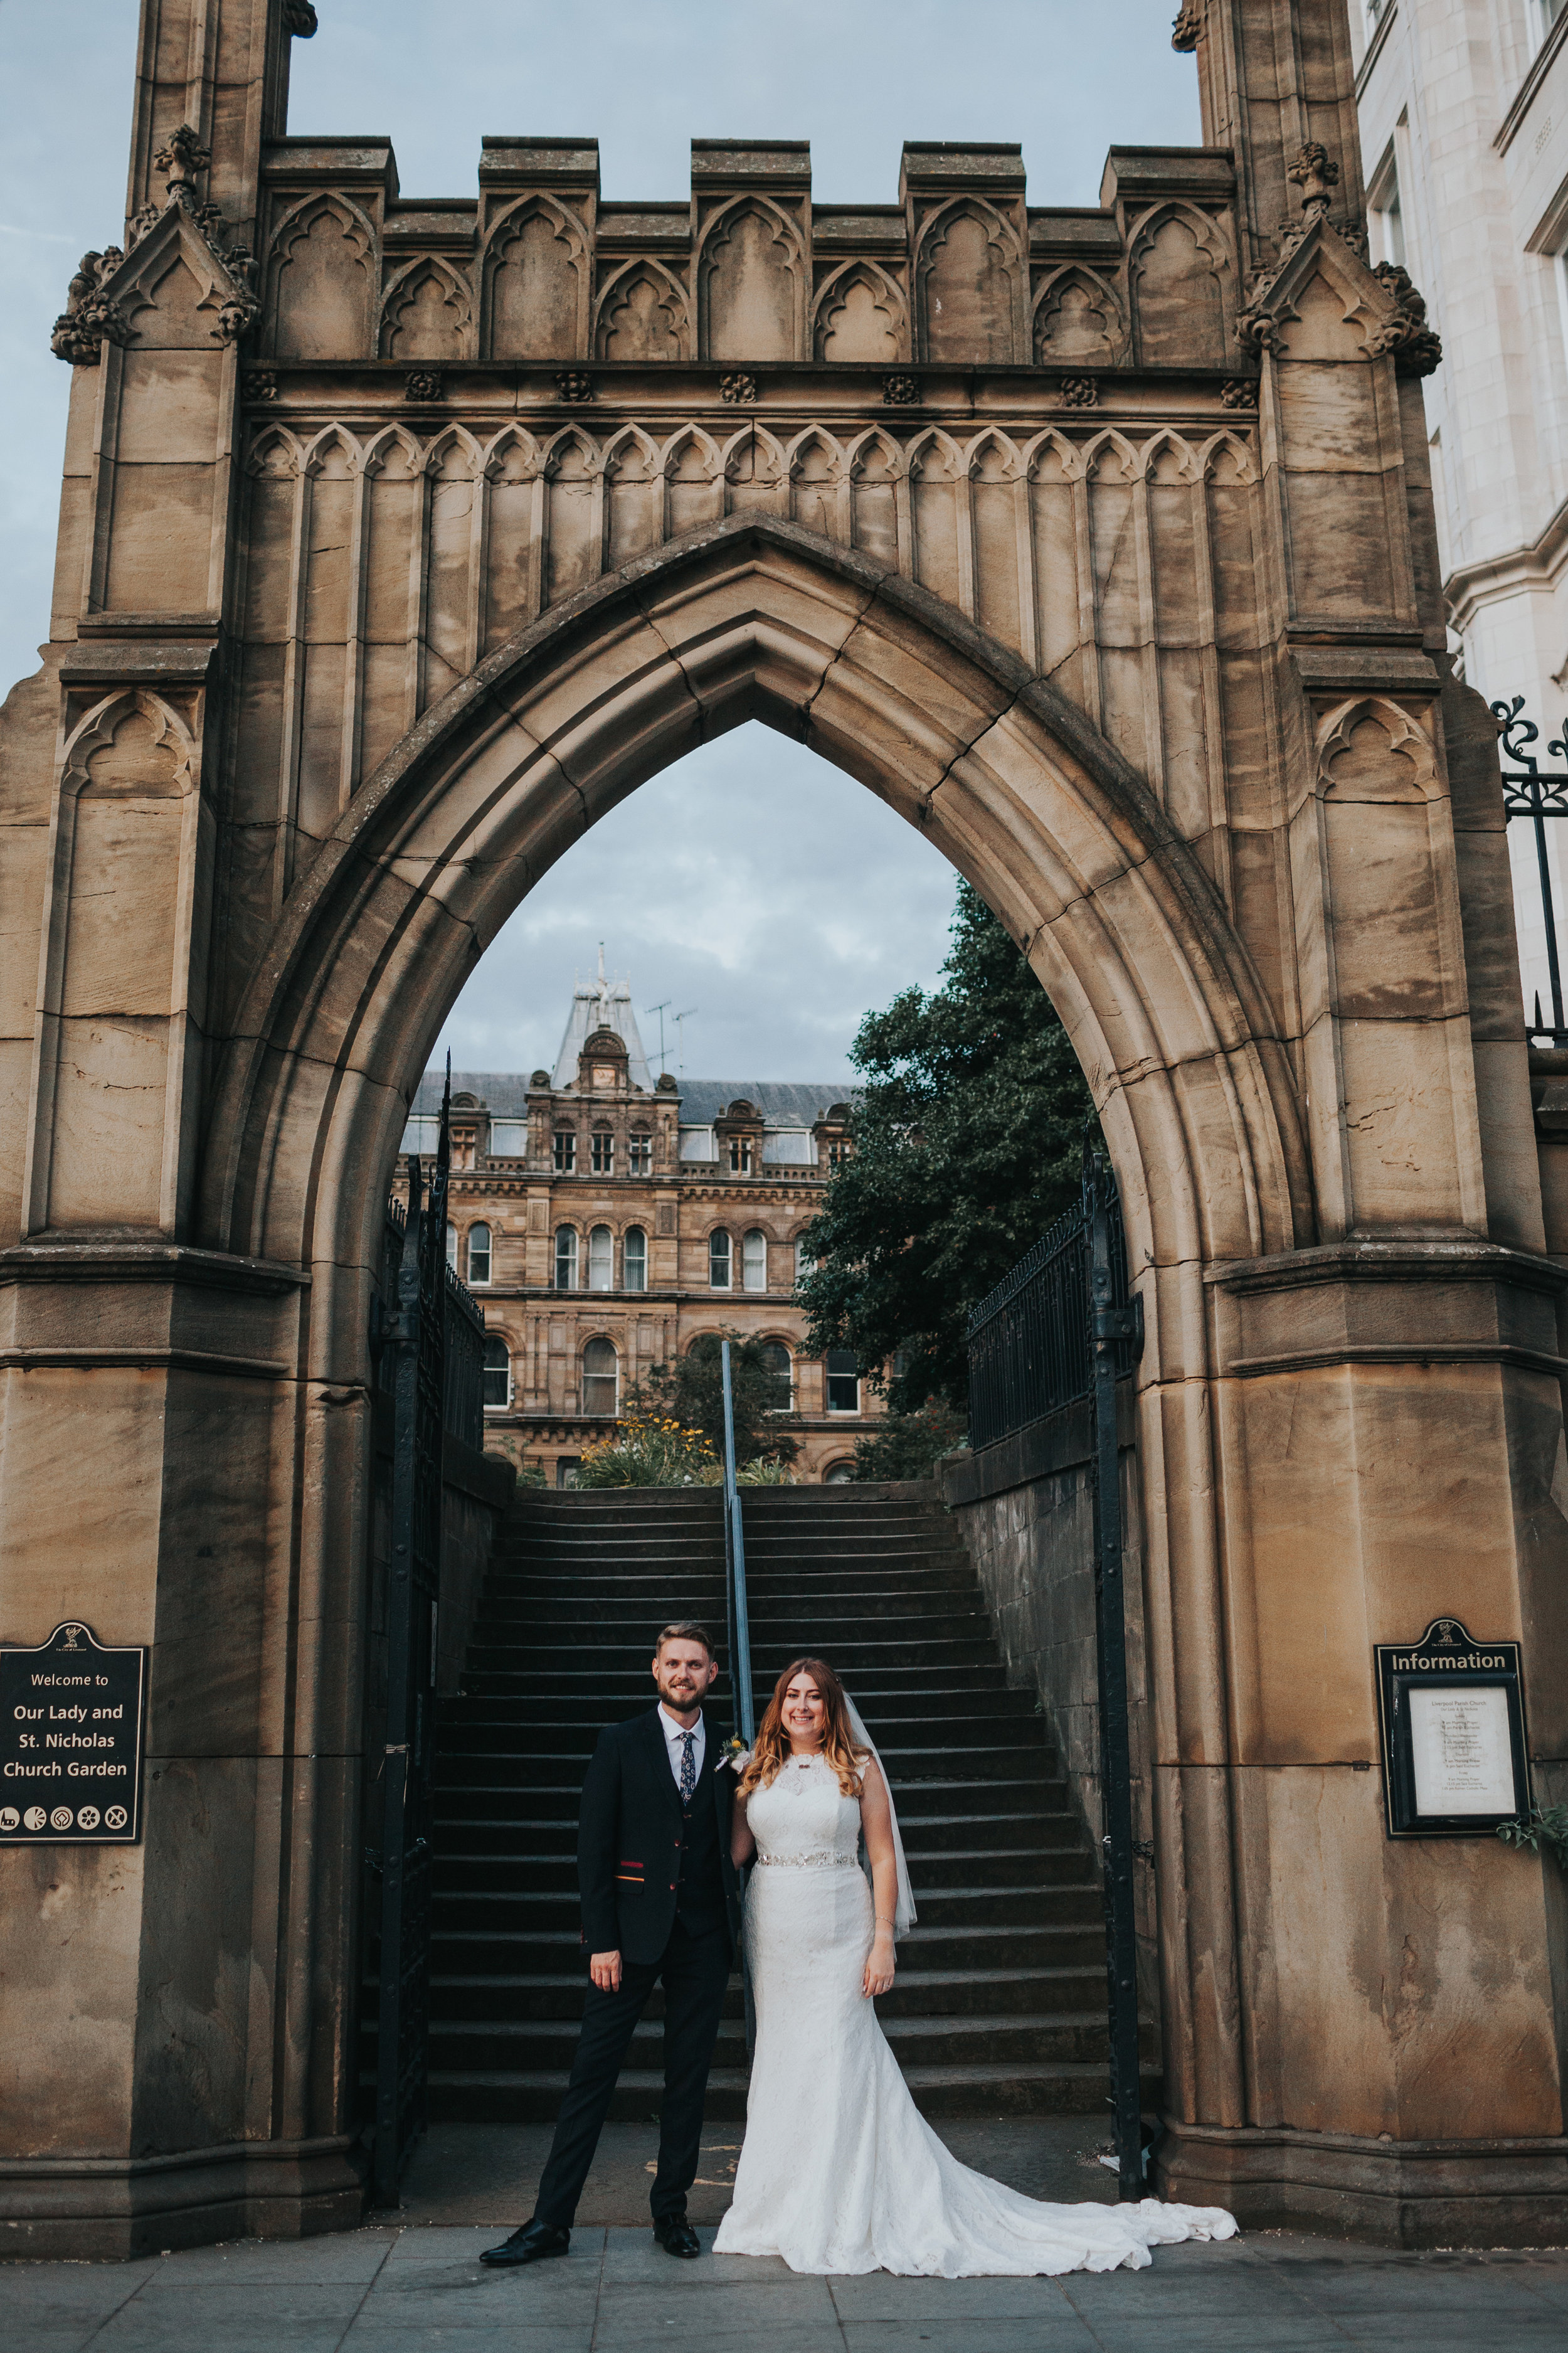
[(604, 1153), (740, 1155)]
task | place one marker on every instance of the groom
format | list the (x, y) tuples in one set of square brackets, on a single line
[(660, 1901)]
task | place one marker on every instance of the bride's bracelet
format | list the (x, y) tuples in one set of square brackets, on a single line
[(882, 1923)]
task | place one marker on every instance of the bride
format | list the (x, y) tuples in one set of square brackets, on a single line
[(840, 2171)]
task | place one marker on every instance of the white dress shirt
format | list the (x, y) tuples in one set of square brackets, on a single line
[(675, 1742)]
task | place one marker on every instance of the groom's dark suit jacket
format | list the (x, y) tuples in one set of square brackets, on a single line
[(640, 1857)]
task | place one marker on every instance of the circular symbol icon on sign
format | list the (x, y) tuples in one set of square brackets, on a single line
[(10, 1820), (60, 1820), (87, 1818), (35, 1818), (115, 1819)]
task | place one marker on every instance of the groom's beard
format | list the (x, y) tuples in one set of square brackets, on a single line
[(681, 1698)]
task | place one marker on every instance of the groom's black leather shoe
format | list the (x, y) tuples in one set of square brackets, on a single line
[(677, 2237), (530, 2245)]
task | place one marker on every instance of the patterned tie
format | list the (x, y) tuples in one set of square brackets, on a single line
[(687, 1768)]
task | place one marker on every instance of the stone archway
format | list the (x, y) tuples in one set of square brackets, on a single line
[(301, 744), (755, 617)]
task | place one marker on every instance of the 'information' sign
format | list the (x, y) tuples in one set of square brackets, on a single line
[(70, 1741), (1455, 1758)]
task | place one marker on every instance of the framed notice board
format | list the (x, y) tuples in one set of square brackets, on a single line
[(70, 1741), (1452, 1715)]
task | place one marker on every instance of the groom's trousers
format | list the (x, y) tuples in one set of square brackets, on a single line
[(695, 1971)]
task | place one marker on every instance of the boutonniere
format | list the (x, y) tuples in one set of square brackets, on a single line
[(734, 1754)]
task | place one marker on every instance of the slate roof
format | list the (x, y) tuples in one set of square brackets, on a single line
[(783, 1103)]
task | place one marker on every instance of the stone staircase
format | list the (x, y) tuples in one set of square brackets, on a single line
[(999, 2007)]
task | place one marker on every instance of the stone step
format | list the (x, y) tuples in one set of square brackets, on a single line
[(983, 1993), (472, 1949), (1068, 2087)]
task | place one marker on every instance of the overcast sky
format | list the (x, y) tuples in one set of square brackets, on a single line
[(738, 881)]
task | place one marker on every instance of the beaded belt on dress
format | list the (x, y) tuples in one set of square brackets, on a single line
[(812, 1861)]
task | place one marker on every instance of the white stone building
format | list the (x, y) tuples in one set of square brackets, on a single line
[(1464, 132)]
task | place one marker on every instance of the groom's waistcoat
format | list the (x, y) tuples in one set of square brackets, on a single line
[(641, 1857)]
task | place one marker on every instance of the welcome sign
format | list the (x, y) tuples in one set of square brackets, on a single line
[(70, 1740)]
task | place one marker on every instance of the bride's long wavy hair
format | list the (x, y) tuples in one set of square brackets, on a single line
[(770, 1750)]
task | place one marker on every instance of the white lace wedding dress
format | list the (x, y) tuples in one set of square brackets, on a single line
[(840, 2171)]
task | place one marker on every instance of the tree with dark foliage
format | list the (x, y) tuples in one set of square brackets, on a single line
[(691, 1389), (966, 1143)]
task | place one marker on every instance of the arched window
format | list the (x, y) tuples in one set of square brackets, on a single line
[(776, 1358), (601, 1258), (634, 1260), (754, 1261), (566, 1258), (497, 1374), (718, 1261), (604, 1153), (839, 1474), (452, 1246), (599, 1382), (804, 1261), (639, 1154), (843, 1382), (479, 1254), (565, 1151)]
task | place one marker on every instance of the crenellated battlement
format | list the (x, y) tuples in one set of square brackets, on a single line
[(537, 268)]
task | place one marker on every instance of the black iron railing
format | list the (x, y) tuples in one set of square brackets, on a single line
[(1527, 791), (463, 1404), (1061, 1327), (1029, 1344)]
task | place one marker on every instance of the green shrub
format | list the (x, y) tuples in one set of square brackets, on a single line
[(648, 1450), (910, 1445)]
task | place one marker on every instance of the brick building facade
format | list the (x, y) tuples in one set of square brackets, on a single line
[(604, 1218)]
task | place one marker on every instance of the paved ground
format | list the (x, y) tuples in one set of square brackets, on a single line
[(412, 2285)]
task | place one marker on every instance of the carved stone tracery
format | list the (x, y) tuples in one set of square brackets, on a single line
[(1417, 349), (93, 315)]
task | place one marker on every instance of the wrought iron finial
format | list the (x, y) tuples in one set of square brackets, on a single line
[(1511, 725)]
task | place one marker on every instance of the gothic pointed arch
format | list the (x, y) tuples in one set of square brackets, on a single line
[(394, 446), (1182, 282), (1052, 455), (1227, 458), (643, 314), (993, 456), (934, 453), (275, 453), (751, 283), (512, 455), (768, 452), (571, 451), (1111, 457), (1078, 317), (427, 313), (1168, 458), (874, 451), (631, 452), (322, 266), (536, 284), (859, 314), (332, 451), (689, 452), (455, 453), (969, 286)]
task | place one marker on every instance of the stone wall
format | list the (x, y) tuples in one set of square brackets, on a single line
[(1025, 1510)]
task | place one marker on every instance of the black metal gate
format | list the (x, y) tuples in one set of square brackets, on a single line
[(1527, 791), (1060, 1328), (429, 1337)]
